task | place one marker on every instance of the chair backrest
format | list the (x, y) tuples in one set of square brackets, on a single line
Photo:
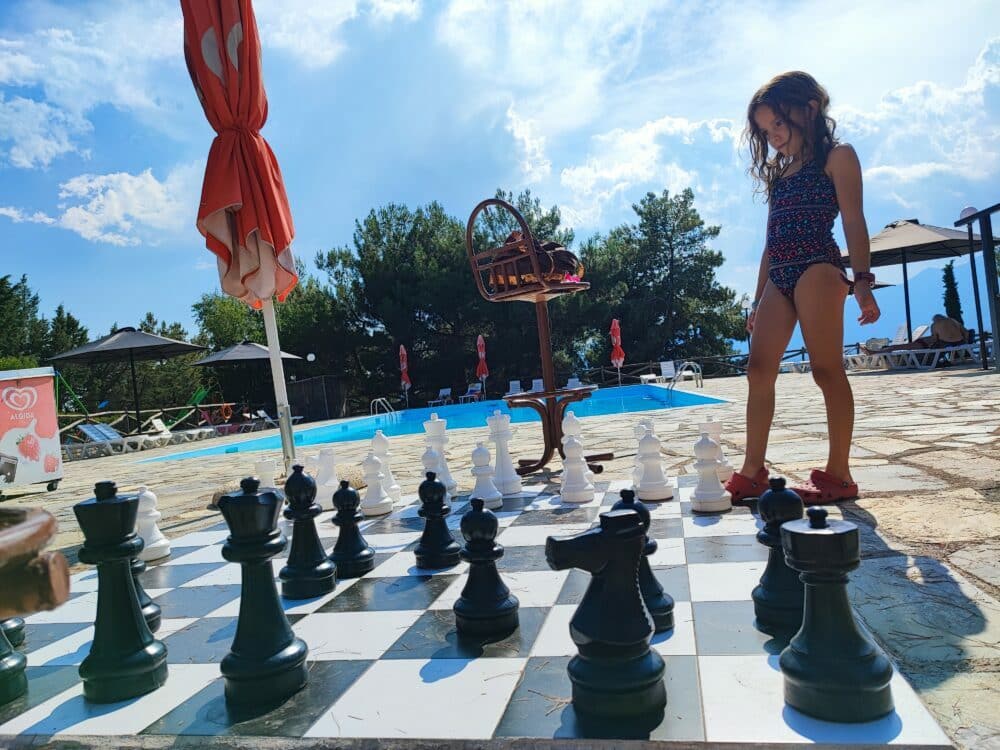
[(206, 416), (475, 388), (514, 386), (91, 432), (263, 414), (573, 383), (444, 392), (538, 384), (919, 332), (667, 369), (900, 337), (157, 424)]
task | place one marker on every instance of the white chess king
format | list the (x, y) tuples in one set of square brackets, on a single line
[(505, 476)]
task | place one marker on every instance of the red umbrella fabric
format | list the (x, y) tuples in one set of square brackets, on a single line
[(482, 371), (617, 353), (404, 377), (244, 212)]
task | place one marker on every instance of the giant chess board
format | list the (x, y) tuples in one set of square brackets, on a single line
[(385, 659)]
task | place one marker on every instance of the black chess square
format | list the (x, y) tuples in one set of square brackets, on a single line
[(399, 592), (727, 628), (435, 636), (712, 549)]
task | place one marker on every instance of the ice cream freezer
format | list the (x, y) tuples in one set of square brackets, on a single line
[(30, 452)]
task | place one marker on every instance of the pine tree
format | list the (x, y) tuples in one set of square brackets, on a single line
[(952, 304)]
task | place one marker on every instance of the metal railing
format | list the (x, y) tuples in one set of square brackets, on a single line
[(380, 403)]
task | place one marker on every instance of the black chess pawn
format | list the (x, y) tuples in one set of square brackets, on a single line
[(266, 663), (777, 600), (125, 660), (352, 555), (833, 670), (615, 674), (13, 628), (659, 603), (13, 681), (309, 573), (437, 548), (486, 606)]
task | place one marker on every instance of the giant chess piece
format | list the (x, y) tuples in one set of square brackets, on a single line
[(505, 477), (484, 489), (266, 662), (654, 485), (380, 447), (376, 502), (833, 670), (125, 660), (352, 555), (437, 548), (714, 430), (326, 470), (642, 426), (615, 675), (777, 600), (266, 469), (573, 427), (309, 573), (13, 681), (436, 439), (576, 485), (156, 545), (431, 461), (13, 628), (659, 603), (709, 495), (486, 606), (150, 609)]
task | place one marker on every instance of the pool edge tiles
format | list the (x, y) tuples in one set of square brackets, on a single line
[(603, 402)]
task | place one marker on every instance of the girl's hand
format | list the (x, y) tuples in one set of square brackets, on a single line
[(866, 302), (750, 320)]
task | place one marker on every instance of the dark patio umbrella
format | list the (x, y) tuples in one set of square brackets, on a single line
[(245, 351), (131, 344)]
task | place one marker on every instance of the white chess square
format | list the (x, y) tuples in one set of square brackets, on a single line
[(668, 552), (290, 606), (392, 542), (200, 538), (533, 588), (553, 639), (229, 575), (534, 535), (725, 524), (73, 649), (722, 582), (353, 635), (81, 608)]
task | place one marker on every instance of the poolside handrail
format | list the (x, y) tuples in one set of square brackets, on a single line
[(380, 402)]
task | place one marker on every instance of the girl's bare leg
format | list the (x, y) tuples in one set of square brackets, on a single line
[(772, 331)]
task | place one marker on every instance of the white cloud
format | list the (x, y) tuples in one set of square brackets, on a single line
[(35, 132), (388, 11), (18, 216), (535, 166)]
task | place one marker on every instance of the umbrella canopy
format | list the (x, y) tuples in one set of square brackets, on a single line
[(909, 241), (617, 353), (404, 377), (245, 351), (482, 371), (244, 213), (130, 344)]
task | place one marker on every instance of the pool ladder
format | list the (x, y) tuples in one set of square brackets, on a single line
[(688, 367), (380, 403)]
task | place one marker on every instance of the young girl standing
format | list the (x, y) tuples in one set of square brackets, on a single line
[(808, 178)]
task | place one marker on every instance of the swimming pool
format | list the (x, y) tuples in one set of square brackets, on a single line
[(629, 398)]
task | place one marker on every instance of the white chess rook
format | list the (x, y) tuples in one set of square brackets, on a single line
[(436, 438), (714, 431), (709, 496), (576, 485), (157, 545), (376, 501), (485, 488), (654, 485), (326, 469), (505, 476), (380, 447)]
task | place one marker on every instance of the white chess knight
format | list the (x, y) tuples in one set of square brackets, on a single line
[(376, 502), (380, 447), (264, 470), (436, 439), (643, 426), (505, 476), (653, 485), (485, 489), (157, 545), (326, 469), (431, 460), (573, 427), (714, 430), (709, 496), (576, 485)]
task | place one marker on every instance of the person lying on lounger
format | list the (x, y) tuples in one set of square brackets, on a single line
[(944, 332)]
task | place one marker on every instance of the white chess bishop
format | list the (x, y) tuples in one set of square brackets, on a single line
[(485, 488), (380, 447), (709, 496), (505, 476), (576, 484), (714, 430), (654, 485), (157, 545), (376, 502), (436, 439), (326, 469)]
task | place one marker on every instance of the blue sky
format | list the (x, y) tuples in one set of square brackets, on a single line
[(588, 103)]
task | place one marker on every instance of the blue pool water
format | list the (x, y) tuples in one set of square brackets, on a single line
[(629, 398)]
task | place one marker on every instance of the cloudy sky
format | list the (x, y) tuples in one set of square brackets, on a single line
[(590, 103)]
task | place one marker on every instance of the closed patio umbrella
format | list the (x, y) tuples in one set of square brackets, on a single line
[(482, 371), (404, 376), (244, 213), (617, 353)]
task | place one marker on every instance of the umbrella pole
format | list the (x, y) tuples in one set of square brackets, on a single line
[(975, 294), (906, 301), (135, 393), (280, 392)]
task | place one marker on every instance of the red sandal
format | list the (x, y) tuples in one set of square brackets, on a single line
[(823, 488), (743, 488)]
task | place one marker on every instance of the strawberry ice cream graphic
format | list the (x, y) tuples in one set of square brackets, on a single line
[(51, 464), (28, 447)]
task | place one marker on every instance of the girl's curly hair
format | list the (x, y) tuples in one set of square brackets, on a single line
[(786, 94)]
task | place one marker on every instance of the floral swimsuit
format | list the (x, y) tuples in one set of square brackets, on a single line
[(800, 226)]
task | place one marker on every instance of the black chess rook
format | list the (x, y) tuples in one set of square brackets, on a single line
[(13, 681), (266, 662), (308, 573), (832, 669), (615, 675), (659, 603), (486, 606), (352, 555), (779, 597), (437, 548), (125, 660)]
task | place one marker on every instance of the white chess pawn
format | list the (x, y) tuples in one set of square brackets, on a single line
[(485, 489), (157, 545), (654, 485), (431, 460), (436, 438), (573, 427), (380, 447), (376, 502), (576, 486), (709, 496), (714, 430), (264, 470), (505, 476), (326, 469)]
